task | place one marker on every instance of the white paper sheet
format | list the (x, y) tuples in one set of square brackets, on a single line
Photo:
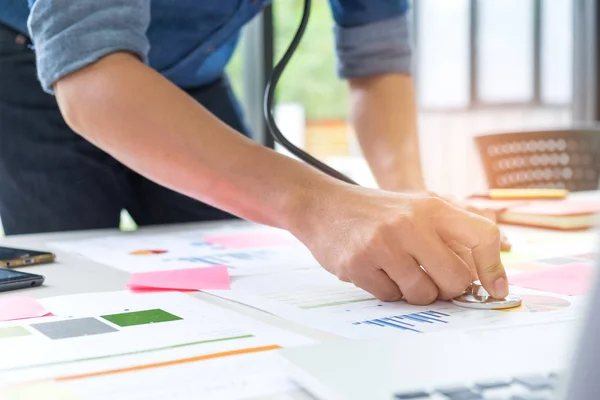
[(188, 249), (249, 376), (203, 329), (318, 299)]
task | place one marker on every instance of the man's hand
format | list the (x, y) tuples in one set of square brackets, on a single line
[(394, 245), (505, 244)]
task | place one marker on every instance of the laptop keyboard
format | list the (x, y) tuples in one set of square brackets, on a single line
[(530, 387)]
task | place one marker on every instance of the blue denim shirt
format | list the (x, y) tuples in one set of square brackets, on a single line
[(191, 41)]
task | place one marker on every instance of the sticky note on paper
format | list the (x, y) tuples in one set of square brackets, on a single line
[(20, 307), (568, 279), (47, 390), (204, 278), (513, 256), (253, 239)]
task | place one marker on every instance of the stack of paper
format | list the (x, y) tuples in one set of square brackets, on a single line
[(123, 345)]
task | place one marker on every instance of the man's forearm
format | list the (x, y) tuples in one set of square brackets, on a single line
[(144, 121), (385, 119)]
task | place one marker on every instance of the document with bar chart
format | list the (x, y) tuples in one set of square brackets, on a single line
[(245, 248), (107, 337), (318, 299)]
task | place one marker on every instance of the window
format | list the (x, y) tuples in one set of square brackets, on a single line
[(481, 66), (443, 40), (505, 51), (557, 51)]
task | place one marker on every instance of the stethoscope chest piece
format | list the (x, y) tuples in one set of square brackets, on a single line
[(477, 297)]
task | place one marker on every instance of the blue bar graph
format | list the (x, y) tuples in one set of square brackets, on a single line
[(225, 258), (407, 322)]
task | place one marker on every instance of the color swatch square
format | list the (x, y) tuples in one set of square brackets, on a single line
[(13, 331), (73, 328), (141, 317), (557, 260)]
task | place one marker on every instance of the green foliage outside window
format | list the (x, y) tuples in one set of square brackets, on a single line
[(310, 78)]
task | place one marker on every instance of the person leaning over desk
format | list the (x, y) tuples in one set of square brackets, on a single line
[(134, 111)]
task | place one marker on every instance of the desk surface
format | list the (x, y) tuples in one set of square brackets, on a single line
[(73, 274)]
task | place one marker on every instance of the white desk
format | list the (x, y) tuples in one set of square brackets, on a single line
[(71, 275), (74, 274)]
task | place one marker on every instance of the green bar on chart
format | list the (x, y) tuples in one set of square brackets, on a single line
[(140, 317), (13, 331)]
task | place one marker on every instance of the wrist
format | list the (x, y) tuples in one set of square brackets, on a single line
[(307, 200), (398, 171), (395, 182)]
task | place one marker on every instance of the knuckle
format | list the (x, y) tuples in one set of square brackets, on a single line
[(389, 296), (458, 284), (386, 293), (493, 269), (354, 266), (457, 247), (424, 297), (377, 236), (433, 203), (403, 223), (491, 233), (342, 275), (420, 290)]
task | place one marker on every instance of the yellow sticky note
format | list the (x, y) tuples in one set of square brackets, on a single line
[(505, 194), (509, 257), (47, 390)]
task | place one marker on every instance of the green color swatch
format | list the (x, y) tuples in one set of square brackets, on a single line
[(13, 331), (140, 317)]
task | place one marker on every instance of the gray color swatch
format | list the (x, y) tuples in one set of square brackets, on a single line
[(73, 328)]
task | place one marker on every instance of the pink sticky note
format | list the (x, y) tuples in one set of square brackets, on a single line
[(144, 289), (20, 307), (570, 279), (254, 239), (204, 278)]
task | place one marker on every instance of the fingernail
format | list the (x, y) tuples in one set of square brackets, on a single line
[(500, 288)]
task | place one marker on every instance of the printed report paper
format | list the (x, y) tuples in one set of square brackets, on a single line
[(244, 248), (130, 340), (318, 299)]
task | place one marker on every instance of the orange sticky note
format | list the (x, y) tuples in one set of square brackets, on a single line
[(20, 307), (204, 278), (247, 240), (569, 279)]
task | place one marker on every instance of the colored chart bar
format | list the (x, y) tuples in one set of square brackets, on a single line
[(407, 322), (71, 328), (141, 317), (13, 331)]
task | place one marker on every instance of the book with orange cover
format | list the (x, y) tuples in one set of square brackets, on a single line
[(566, 214)]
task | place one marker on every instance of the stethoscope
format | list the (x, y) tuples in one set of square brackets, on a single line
[(475, 295)]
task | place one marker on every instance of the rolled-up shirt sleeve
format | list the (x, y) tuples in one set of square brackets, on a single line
[(372, 37), (68, 35)]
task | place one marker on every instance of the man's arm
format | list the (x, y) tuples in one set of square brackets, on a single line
[(384, 116), (375, 239), (375, 56), (378, 240), (374, 52), (143, 120)]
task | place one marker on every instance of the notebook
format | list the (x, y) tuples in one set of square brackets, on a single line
[(566, 214)]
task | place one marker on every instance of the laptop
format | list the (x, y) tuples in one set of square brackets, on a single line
[(552, 361)]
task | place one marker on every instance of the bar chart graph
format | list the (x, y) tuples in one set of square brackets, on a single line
[(408, 322)]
